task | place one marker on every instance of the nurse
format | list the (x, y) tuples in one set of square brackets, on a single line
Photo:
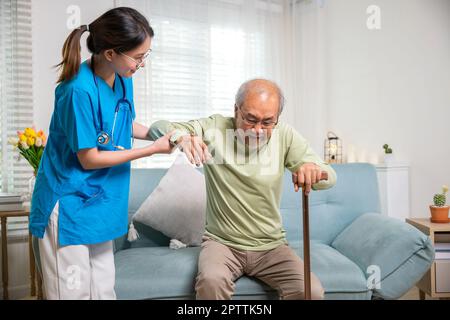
[(80, 201)]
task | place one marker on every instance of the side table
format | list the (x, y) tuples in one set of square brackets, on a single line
[(438, 273), (34, 276)]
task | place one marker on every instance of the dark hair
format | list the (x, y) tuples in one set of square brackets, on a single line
[(121, 29)]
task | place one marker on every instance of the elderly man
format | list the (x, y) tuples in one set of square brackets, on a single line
[(244, 172)]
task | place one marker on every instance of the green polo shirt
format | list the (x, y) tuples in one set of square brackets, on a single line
[(244, 184)]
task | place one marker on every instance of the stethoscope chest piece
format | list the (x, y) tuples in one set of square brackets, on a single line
[(103, 138)]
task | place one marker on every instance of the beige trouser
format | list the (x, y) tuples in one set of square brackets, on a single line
[(220, 266)]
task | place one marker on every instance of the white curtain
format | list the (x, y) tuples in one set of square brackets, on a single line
[(16, 94), (204, 49)]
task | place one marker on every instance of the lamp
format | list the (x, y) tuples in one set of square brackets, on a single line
[(333, 148)]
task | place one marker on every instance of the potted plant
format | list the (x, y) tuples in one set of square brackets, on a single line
[(439, 211), (388, 156)]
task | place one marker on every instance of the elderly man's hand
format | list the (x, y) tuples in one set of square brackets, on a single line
[(194, 148), (307, 175)]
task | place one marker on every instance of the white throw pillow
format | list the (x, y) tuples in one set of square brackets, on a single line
[(177, 206)]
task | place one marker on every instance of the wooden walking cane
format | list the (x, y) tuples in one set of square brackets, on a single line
[(306, 256)]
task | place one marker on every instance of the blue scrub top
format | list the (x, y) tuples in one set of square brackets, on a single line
[(93, 204)]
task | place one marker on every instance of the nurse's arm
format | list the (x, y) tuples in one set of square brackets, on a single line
[(188, 136), (140, 131), (92, 159)]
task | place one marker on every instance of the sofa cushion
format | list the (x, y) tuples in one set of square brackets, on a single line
[(337, 273), (159, 273), (177, 206), (373, 241)]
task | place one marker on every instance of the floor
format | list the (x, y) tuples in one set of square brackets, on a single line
[(413, 294)]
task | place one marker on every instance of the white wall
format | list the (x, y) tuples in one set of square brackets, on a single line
[(393, 85), (49, 33)]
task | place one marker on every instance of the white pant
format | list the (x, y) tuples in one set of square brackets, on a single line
[(75, 272)]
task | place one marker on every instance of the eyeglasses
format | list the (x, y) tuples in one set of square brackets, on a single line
[(140, 61), (252, 122)]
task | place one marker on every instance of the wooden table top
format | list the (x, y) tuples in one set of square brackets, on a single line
[(431, 226), (21, 213)]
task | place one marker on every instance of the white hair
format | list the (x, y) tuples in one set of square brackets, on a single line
[(245, 88)]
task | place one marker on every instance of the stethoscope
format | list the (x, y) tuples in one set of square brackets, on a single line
[(103, 137)]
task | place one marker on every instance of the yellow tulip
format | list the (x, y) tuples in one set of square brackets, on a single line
[(30, 141), (29, 132), (23, 137)]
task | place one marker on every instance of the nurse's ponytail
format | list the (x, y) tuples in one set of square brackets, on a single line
[(71, 54), (121, 29)]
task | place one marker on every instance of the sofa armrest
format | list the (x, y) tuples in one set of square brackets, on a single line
[(402, 253)]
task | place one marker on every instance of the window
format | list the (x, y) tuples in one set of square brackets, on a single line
[(201, 55), (16, 102)]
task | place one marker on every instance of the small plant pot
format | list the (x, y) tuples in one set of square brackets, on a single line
[(439, 214), (389, 158)]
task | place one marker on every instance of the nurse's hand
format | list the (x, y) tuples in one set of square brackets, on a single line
[(162, 145), (194, 148)]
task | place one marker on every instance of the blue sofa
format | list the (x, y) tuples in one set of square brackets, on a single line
[(356, 252)]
